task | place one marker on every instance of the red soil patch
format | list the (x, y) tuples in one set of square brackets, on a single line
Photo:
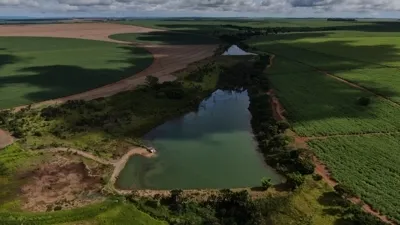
[(59, 183), (167, 58), (5, 139), (277, 108)]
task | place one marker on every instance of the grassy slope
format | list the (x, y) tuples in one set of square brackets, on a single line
[(370, 165), (106, 213), (37, 69)]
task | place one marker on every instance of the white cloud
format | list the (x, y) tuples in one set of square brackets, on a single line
[(244, 6)]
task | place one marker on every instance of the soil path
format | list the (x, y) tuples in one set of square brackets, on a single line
[(167, 58), (117, 164), (81, 153), (320, 168), (360, 87), (5, 139)]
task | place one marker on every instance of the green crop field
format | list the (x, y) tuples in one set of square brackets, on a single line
[(317, 104), (368, 164), (37, 69)]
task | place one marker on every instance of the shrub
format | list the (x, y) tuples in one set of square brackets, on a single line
[(364, 101), (305, 166), (344, 191), (317, 177), (283, 126), (294, 180), (152, 82), (266, 183)]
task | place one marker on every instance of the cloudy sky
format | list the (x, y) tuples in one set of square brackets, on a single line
[(264, 8)]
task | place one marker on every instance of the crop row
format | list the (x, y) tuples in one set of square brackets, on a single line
[(320, 105), (370, 165)]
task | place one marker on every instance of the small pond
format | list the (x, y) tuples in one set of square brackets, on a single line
[(211, 148)]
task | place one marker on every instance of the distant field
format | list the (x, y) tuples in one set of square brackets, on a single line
[(369, 164), (171, 38), (37, 69)]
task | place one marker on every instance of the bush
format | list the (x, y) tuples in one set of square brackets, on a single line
[(266, 183), (317, 177), (152, 82), (305, 166), (283, 126), (294, 180), (344, 191), (364, 101)]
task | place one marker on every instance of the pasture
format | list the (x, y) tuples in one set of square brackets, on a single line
[(38, 69)]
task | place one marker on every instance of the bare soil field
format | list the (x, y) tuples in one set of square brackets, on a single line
[(5, 139), (60, 183), (167, 58)]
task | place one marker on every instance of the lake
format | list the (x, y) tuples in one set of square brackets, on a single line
[(210, 148)]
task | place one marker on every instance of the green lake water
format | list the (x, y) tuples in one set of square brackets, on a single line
[(211, 148)]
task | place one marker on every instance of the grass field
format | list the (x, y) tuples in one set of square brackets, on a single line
[(108, 213), (37, 69)]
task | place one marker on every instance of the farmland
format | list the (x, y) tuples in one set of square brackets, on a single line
[(319, 75), (38, 69), (368, 164)]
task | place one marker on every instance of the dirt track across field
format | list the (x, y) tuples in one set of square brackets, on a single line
[(167, 58)]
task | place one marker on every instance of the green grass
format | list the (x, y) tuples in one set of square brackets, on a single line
[(170, 38), (106, 213), (37, 69), (314, 203), (370, 165), (13, 161)]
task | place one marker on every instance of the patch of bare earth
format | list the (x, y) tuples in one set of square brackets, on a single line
[(5, 139), (60, 184), (167, 58)]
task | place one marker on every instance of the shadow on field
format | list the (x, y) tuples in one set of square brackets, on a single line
[(6, 59), (167, 38), (55, 81), (309, 95)]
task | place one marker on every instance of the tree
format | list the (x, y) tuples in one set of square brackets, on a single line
[(266, 183), (344, 190), (364, 101), (152, 81), (294, 180)]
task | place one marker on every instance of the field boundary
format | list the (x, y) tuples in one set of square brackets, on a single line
[(321, 168)]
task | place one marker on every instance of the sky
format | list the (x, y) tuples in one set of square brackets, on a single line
[(206, 8)]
